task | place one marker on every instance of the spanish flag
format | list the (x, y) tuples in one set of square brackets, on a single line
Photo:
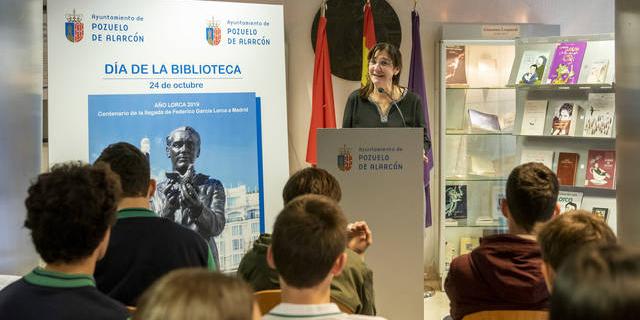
[(322, 107), (368, 40)]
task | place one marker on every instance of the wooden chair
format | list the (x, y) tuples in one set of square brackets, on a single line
[(508, 315), (268, 299), (131, 310)]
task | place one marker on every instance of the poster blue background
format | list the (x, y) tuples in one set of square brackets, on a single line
[(230, 141)]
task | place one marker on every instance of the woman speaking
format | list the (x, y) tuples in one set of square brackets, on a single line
[(382, 102)]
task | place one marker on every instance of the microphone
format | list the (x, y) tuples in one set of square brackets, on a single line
[(381, 90)]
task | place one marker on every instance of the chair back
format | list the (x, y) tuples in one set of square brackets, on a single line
[(508, 315), (267, 299), (131, 309)]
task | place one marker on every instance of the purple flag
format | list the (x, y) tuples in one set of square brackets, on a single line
[(417, 86)]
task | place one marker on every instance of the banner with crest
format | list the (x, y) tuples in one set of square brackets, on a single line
[(166, 73)]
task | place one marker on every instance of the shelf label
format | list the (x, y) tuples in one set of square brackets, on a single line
[(500, 31)]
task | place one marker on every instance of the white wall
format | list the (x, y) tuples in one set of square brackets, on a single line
[(20, 127), (574, 17)]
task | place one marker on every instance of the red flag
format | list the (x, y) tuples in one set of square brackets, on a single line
[(323, 114), (368, 41)]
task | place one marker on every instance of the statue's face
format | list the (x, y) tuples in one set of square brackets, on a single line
[(183, 150)]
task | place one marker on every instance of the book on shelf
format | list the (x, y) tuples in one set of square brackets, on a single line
[(498, 194), (564, 119), (569, 200), (450, 252), (600, 212), (450, 222), (597, 71), (486, 221), (567, 61), (455, 202), (532, 155), (482, 166), (567, 168), (455, 118), (456, 61), (601, 169), (532, 67), (507, 121), (456, 151), (467, 244), (599, 115), (483, 121), (533, 117)]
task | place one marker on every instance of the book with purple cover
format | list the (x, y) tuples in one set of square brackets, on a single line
[(567, 61)]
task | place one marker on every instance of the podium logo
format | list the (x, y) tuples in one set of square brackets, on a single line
[(214, 33), (73, 27), (345, 160)]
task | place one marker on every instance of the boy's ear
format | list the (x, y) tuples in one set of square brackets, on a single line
[(339, 264), (549, 275), (505, 209), (270, 261), (556, 210), (152, 188)]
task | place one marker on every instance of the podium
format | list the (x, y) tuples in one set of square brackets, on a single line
[(380, 173)]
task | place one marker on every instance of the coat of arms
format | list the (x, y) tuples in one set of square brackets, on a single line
[(345, 160), (214, 33), (73, 27)]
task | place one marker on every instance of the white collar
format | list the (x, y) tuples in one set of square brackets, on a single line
[(290, 309)]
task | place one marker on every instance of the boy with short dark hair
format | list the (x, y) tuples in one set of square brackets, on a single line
[(70, 211), (353, 287), (309, 237), (598, 283), (568, 233), (143, 246), (504, 272)]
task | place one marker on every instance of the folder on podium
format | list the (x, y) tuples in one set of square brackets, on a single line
[(380, 173)]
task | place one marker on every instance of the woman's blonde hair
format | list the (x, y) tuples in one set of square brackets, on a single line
[(196, 294)]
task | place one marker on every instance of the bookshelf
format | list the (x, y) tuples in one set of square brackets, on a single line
[(593, 98)]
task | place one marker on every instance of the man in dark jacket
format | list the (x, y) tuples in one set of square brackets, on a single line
[(504, 272)]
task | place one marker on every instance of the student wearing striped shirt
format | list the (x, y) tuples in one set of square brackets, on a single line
[(309, 237)]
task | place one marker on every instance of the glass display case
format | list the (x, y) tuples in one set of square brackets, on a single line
[(477, 145)]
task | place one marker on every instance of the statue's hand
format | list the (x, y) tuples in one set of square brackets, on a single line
[(191, 199)]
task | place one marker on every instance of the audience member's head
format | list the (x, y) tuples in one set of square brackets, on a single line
[(131, 165), (311, 180), (531, 195), (309, 238), (197, 294), (598, 283), (70, 211), (568, 233)]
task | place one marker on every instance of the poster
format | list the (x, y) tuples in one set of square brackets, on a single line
[(148, 73)]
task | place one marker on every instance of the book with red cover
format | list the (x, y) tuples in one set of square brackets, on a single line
[(567, 168), (601, 169)]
